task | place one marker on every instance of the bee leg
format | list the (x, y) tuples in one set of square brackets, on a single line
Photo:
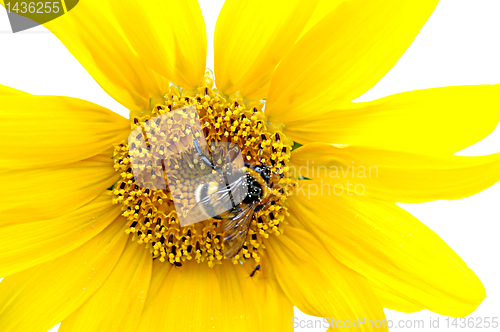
[(229, 171), (236, 149), (229, 175), (204, 158), (261, 206), (260, 161), (277, 174), (207, 162)]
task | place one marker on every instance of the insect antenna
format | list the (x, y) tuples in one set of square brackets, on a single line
[(260, 161)]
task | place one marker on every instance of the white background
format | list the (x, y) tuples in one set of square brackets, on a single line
[(459, 45)]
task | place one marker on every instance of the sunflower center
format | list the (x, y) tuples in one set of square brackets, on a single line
[(229, 125)]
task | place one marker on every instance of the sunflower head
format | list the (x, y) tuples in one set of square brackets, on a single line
[(151, 213)]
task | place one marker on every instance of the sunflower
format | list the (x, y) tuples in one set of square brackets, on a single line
[(83, 244)]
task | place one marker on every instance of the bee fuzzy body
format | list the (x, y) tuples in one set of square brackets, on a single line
[(254, 190), (207, 190), (233, 198), (244, 189)]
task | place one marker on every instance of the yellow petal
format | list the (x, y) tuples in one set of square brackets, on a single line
[(23, 245), (38, 298), (117, 305), (258, 300), (392, 175), (251, 38), (169, 36), (188, 298), (428, 121), (90, 31), (148, 319), (225, 298), (6, 91), (48, 193), (343, 56), (317, 283), (39, 131), (391, 248), (393, 300), (323, 8)]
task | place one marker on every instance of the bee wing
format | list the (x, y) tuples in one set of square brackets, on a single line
[(215, 204), (236, 230)]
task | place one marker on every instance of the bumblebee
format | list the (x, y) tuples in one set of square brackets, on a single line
[(233, 199)]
